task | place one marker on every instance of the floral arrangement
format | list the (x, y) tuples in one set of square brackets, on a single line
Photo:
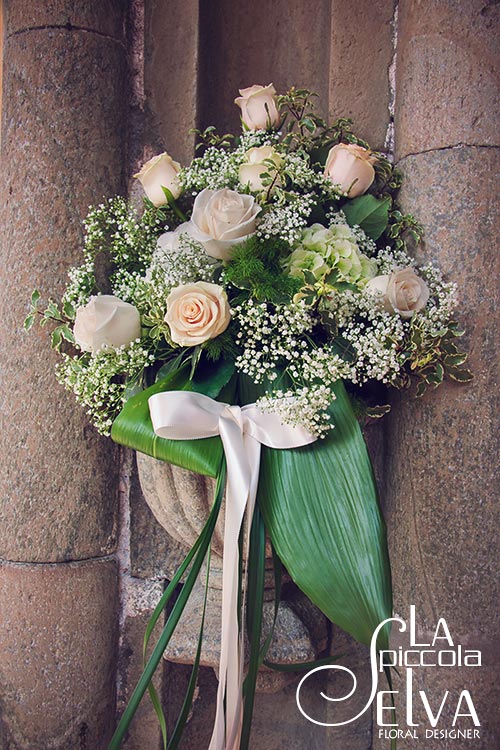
[(275, 270)]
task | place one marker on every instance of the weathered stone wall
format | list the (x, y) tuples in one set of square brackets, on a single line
[(74, 128)]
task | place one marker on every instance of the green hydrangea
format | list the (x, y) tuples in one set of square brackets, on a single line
[(322, 250)]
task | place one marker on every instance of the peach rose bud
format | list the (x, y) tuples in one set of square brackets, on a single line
[(351, 168), (258, 107), (197, 312), (160, 171)]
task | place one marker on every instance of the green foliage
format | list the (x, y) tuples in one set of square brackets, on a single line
[(429, 359), (388, 178), (256, 267), (52, 314), (127, 239), (59, 334), (222, 346), (403, 230), (104, 380), (368, 212), (376, 412), (192, 563), (210, 137), (154, 323), (307, 130), (322, 498), (172, 204), (133, 428), (210, 379)]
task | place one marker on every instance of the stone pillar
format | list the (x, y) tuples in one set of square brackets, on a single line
[(442, 485), (62, 136)]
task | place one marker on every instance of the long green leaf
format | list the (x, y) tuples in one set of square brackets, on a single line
[(193, 679), (256, 574), (321, 511), (160, 607), (202, 545), (133, 428)]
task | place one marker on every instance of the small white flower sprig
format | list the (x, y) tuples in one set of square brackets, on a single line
[(280, 251)]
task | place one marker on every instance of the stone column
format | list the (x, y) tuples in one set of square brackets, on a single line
[(442, 486), (62, 137)]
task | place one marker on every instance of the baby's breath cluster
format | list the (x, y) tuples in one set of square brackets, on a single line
[(178, 259), (218, 167), (305, 407), (374, 339), (287, 220), (270, 337), (100, 381), (443, 299), (116, 228), (303, 176)]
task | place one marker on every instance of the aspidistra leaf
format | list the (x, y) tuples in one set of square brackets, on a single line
[(321, 511), (133, 428)]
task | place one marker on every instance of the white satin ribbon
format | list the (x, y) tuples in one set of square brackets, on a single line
[(183, 415)]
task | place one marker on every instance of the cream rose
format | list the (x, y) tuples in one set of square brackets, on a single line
[(402, 291), (258, 107), (251, 171), (351, 167), (106, 321), (160, 171), (222, 219), (197, 312)]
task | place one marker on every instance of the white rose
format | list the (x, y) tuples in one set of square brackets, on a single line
[(402, 292), (222, 219), (106, 321), (160, 171), (258, 107), (351, 167), (168, 242), (197, 312), (255, 165)]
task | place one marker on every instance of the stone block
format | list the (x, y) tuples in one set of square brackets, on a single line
[(277, 723), (144, 731), (447, 89), (360, 57), (57, 662), (104, 17), (61, 151), (355, 656)]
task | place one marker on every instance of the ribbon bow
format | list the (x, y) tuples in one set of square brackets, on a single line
[(183, 415)]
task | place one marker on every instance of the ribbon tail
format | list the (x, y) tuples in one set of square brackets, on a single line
[(239, 482), (252, 450)]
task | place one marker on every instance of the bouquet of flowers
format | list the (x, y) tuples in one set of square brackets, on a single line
[(264, 296)]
